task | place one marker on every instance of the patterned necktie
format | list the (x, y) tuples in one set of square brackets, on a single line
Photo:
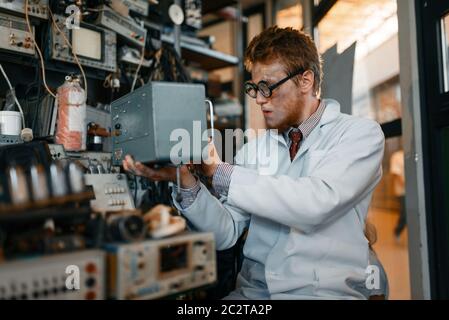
[(295, 137)]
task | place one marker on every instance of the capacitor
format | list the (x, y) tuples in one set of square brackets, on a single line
[(18, 187), (58, 180), (76, 178), (39, 186), (71, 124)]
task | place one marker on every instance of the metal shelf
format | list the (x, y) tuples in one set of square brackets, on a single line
[(57, 208), (207, 59), (41, 214)]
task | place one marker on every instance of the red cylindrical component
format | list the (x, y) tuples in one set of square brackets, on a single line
[(71, 126)]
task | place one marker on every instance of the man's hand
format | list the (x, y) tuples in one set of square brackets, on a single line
[(210, 165), (162, 174)]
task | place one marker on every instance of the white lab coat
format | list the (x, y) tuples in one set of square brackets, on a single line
[(306, 218)]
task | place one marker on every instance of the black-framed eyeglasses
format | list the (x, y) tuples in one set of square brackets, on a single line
[(266, 89)]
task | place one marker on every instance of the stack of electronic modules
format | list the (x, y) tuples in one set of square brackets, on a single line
[(69, 227), (84, 234)]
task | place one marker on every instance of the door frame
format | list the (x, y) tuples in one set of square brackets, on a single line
[(435, 111), (415, 150), (426, 113)]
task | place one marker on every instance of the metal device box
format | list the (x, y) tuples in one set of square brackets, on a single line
[(36, 8), (46, 277), (158, 268), (8, 139), (139, 6), (156, 118), (125, 27), (14, 35), (111, 192), (61, 52)]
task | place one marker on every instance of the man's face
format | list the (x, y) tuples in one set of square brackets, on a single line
[(285, 106)]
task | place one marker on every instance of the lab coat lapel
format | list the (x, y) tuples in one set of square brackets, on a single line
[(279, 137), (330, 114), (309, 141)]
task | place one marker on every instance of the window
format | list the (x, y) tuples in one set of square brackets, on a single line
[(373, 26), (386, 101), (369, 23)]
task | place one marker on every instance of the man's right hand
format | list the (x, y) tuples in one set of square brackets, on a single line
[(161, 174)]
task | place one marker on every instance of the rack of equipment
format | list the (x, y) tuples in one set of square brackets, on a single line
[(68, 212)]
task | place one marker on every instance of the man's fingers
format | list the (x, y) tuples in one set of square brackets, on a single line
[(129, 159), (138, 168), (127, 166), (153, 174), (128, 163)]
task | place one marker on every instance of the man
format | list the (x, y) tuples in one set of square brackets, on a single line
[(306, 219), (397, 171)]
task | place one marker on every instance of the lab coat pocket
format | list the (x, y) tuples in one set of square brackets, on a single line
[(349, 254), (342, 271), (310, 248), (311, 161), (341, 282)]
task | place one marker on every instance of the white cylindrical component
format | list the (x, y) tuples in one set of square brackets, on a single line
[(39, 183), (18, 185), (76, 177), (10, 123), (58, 180)]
